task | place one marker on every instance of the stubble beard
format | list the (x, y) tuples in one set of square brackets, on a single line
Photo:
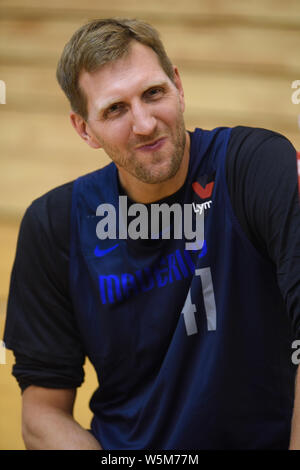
[(144, 173), (151, 174)]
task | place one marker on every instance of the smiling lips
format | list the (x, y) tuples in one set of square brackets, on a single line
[(156, 145)]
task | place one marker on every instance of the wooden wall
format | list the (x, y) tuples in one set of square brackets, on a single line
[(237, 59)]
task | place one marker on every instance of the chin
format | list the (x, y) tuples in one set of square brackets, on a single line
[(158, 176)]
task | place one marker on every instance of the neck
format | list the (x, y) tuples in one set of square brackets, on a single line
[(145, 193)]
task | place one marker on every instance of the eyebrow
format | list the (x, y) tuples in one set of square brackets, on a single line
[(111, 101)]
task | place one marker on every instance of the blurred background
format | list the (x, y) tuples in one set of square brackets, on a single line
[(237, 60)]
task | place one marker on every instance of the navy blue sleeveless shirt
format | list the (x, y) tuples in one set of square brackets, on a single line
[(191, 346)]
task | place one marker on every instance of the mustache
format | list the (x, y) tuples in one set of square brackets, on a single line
[(146, 140)]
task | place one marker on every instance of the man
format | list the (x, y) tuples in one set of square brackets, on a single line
[(191, 339)]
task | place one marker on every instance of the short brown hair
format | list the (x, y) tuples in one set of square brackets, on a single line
[(98, 42)]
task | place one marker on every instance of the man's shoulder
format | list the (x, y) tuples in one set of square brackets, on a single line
[(247, 144), (247, 135), (244, 140), (48, 216), (56, 200), (51, 212)]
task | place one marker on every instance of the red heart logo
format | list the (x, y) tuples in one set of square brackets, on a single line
[(203, 192)]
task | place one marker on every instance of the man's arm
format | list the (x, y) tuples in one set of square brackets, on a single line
[(263, 186), (48, 423)]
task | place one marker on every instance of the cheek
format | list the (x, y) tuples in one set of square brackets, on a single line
[(171, 119), (118, 133), (182, 103), (171, 113), (114, 135)]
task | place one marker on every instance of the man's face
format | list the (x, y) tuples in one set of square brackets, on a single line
[(135, 113)]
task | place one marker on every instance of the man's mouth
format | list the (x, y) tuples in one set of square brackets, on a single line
[(155, 145)]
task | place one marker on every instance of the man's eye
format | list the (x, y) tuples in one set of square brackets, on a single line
[(154, 92), (114, 109)]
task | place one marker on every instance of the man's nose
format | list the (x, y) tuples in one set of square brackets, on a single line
[(143, 121)]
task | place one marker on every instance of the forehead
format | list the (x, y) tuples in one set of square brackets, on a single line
[(135, 71)]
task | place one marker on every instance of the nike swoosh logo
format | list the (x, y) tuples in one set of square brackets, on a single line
[(99, 253), (203, 192)]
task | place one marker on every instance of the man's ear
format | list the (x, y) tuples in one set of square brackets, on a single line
[(82, 128), (178, 84)]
